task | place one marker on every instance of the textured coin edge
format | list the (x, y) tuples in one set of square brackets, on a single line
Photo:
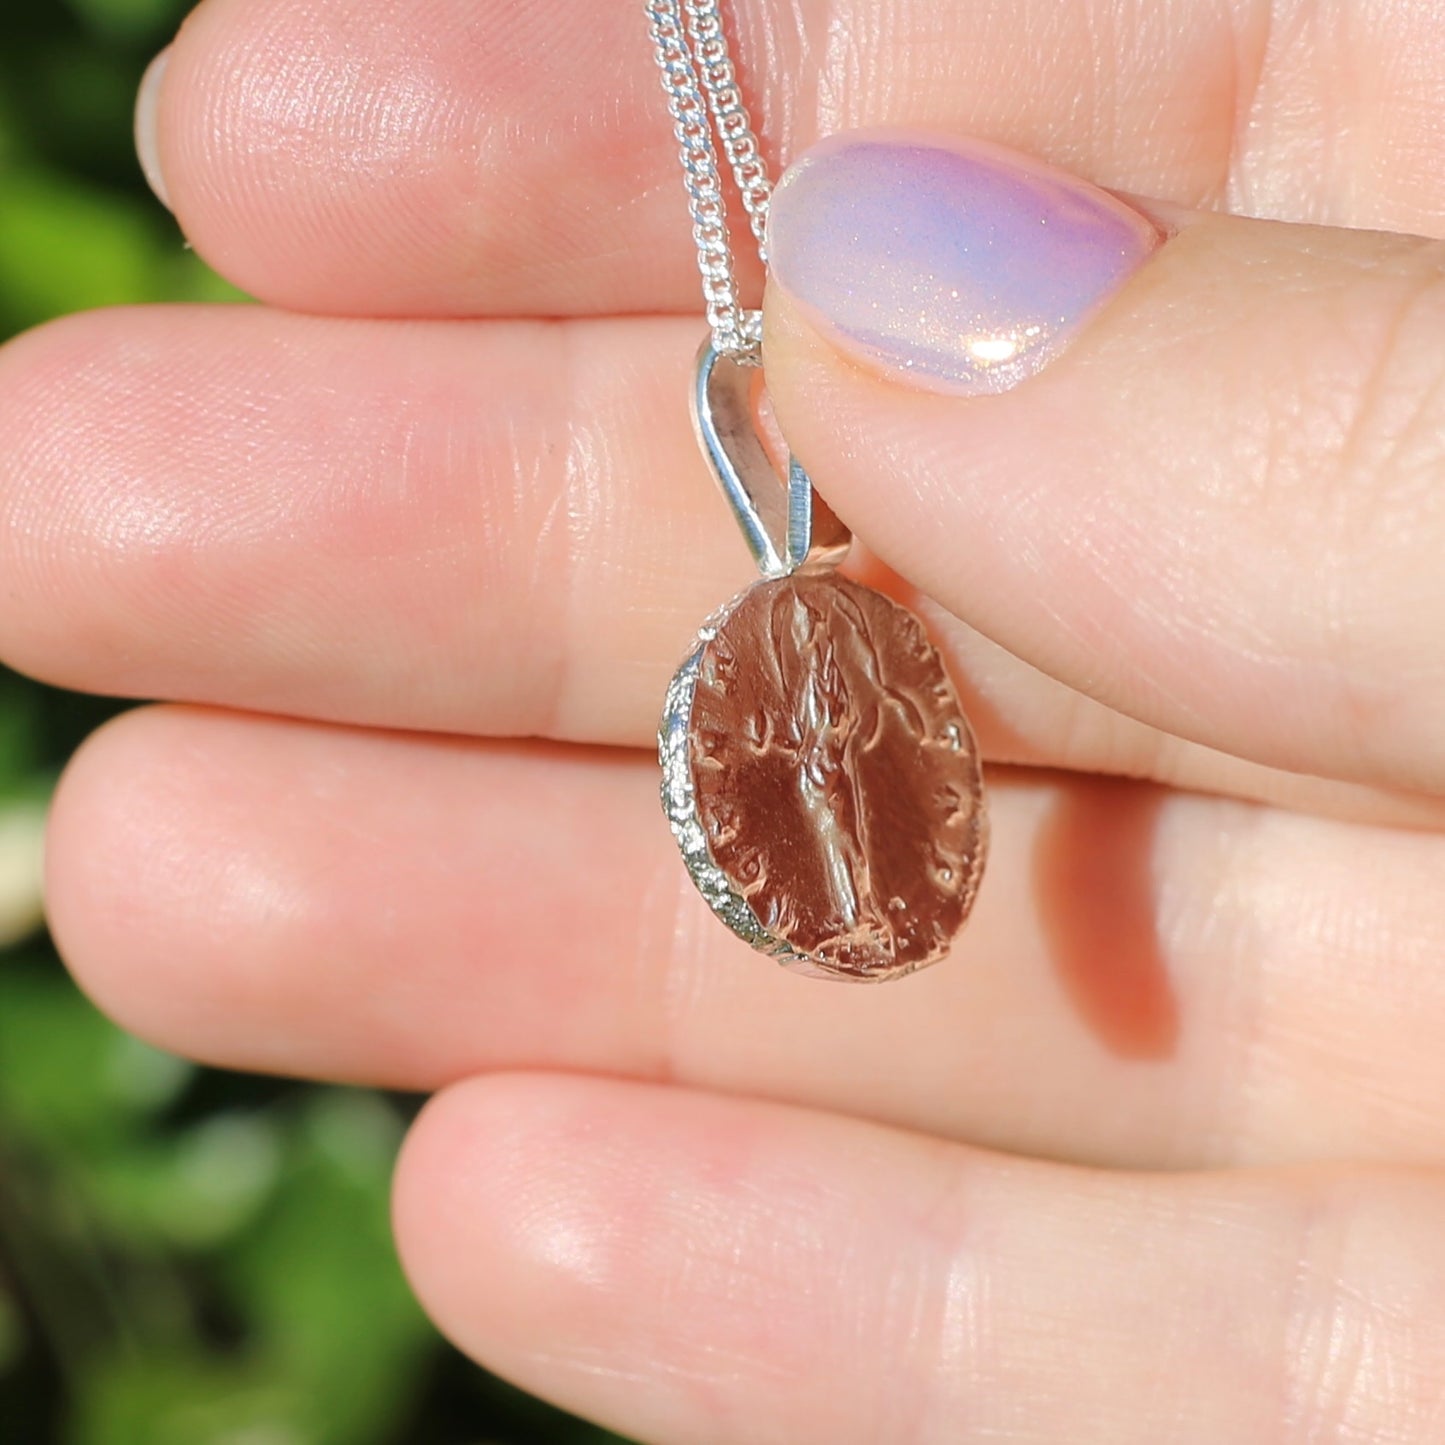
[(680, 804)]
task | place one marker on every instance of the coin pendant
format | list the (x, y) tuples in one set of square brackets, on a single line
[(822, 781)]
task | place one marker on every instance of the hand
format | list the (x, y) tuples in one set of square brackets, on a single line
[(440, 493)]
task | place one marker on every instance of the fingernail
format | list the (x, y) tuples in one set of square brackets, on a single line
[(147, 147), (957, 265)]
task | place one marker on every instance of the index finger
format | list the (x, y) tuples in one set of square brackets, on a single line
[(515, 157)]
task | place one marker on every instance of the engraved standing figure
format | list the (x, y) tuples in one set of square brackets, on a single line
[(834, 776)]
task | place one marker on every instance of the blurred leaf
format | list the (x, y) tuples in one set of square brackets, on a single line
[(22, 859), (60, 1059), (67, 249), (11, 146), (188, 278), (146, 1078), (320, 1277), (19, 730), (193, 1190), (184, 1398), (224, 1169), (86, 90), (126, 20), (12, 1331)]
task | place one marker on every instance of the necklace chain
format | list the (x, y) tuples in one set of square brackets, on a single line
[(707, 107)]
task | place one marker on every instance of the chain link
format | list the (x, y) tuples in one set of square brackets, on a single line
[(703, 97)]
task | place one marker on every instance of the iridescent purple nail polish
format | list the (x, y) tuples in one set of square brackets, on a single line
[(958, 265)]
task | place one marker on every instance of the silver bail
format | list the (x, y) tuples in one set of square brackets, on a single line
[(785, 523)]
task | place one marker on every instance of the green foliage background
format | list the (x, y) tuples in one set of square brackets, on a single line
[(187, 1257)]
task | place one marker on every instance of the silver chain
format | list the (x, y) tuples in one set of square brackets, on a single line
[(707, 107)]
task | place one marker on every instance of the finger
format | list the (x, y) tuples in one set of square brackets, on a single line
[(441, 159), (703, 1271), (503, 529), (1147, 978), (1217, 505), (424, 526)]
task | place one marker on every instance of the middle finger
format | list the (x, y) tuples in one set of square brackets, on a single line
[(499, 528)]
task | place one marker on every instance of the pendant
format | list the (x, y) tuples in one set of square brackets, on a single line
[(819, 775)]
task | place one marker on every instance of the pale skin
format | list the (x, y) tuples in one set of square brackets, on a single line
[(1158, 1154)]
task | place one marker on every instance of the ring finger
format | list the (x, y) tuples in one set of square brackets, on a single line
[(1148, 978)]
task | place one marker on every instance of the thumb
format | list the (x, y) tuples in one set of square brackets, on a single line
[(1196, 477)]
